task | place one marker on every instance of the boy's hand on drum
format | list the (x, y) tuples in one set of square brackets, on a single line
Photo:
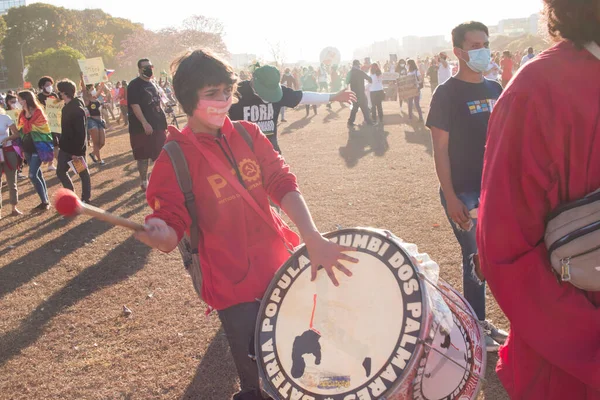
[(326, 254)]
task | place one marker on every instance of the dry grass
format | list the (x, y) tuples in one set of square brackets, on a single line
[(63, 283)]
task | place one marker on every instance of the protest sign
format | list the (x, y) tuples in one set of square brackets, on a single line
[(390, 76), (54, 114), (407, 87), (93, 70)]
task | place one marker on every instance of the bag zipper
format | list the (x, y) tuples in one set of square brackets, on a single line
[(590, 198), (574, 235), (565, 270)]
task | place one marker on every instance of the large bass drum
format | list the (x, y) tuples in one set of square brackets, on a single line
[(379, 335)]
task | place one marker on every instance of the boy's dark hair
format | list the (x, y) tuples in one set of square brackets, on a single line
[(67, 87), (196, 70), (9, 97), (458, 33), (141, 61), (43, 80), (576, 21)]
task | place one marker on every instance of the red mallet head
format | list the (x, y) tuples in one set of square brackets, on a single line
[(66, 203)]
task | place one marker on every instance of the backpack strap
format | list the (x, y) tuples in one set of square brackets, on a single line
[(185, 184), (244, 134)]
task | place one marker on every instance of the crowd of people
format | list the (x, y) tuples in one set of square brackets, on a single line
[(508, 150)]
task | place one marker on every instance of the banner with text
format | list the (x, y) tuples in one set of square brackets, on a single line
[(407, 87), (93, 70), (54, 114)]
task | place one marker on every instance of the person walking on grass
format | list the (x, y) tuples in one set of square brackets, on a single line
[(47, 93), (96, 125), (356, 79), (147, 120), (36, 143), (9, 160), (73, 139), (458, 119), (376, 92), (415, 101)]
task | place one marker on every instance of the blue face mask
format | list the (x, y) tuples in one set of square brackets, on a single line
[(479, 59)]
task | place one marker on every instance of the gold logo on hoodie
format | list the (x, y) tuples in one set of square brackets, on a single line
[(250, 170)]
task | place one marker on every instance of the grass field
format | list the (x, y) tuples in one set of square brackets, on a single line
[(63, 283)]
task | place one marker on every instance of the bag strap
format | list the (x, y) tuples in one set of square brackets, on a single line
[(220, 167), (244, 134), (182, 172)]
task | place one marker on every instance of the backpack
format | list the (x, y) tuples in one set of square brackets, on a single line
[(188, 246)]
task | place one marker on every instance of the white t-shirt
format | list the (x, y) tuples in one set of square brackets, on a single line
[(377, 83), (494, 74), (5, 122), (444, 73), (526, 58)]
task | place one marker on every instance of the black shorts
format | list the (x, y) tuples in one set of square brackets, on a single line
[(55, 139), (147, 146)]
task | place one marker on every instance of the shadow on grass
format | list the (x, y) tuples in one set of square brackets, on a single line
[(362, 141), (216, 376), (41, 259), (294, 126), (419, 135), (118, 265)]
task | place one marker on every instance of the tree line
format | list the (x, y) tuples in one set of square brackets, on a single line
[(49, 40)]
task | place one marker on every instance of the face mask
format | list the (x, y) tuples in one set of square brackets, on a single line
[(94, 92), (479, 59), (148, 72), (213, 112), (17, 106), (48, 89)]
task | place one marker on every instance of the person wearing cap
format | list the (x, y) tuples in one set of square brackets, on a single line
[(261, 98)]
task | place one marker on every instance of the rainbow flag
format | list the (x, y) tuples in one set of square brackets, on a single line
[(39, 129)]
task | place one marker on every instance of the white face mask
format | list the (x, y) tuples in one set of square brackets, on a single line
[(94, 92), (17, 106), (479, 59), (48, 89)]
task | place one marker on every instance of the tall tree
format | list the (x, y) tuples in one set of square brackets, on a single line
[(29, 30), (59, 64)]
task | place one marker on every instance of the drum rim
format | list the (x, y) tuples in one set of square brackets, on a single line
[(426, 320), (443, 283)]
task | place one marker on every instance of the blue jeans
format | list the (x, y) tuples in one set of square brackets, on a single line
[(473, 288), (36, 176)]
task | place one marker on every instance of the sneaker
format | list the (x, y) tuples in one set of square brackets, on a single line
[(93, 157), (491, 345), (498, 335), (102, 163), (20, 176), (51, 167)]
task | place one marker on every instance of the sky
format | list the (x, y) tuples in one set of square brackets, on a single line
[(304, 28)]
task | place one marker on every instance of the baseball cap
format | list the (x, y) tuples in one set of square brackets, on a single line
[(266, 83)]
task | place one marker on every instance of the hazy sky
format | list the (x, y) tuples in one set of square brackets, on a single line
[(307, 26)]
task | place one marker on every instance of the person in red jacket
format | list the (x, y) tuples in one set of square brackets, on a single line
[(239, 251), (542, 151)]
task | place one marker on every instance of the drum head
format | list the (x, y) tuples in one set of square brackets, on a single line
[(358, 340), (438, 377)]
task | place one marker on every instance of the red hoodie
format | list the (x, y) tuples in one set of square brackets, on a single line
[(239, 253), (543, 150)]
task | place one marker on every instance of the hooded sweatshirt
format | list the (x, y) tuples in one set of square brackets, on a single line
[(239, 253), (542, 152)]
